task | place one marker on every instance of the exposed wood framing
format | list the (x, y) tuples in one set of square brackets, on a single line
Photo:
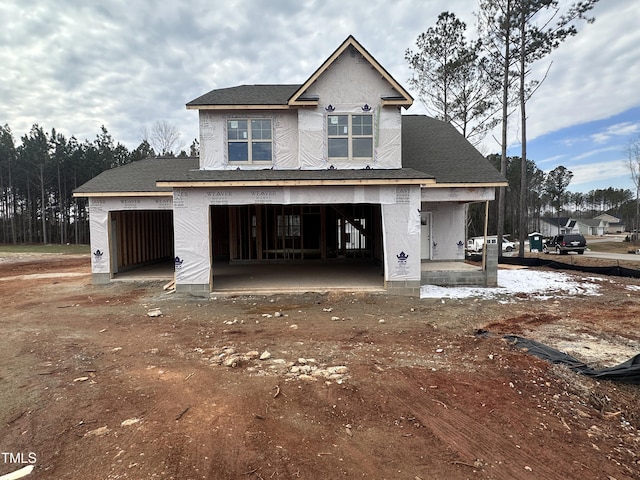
[(323, 232), (296, 232), (142, 236), (259, 230)]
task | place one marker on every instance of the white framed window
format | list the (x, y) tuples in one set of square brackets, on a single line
[(249, 140), (350, 136)]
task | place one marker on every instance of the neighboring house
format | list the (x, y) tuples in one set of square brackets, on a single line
[(591, 226), (328, 170), (613, 224), (550, 226), (618, 227), (586, 226)]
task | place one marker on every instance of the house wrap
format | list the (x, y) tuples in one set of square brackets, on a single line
[(330, 170)]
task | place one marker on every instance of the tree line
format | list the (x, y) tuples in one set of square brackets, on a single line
[(38, 176), (547, 195), (37, 179)]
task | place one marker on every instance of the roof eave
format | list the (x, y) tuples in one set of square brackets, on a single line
[(292, 183), (467, 185), (399, 103), (304, 103), (159, 193), (238, 107)]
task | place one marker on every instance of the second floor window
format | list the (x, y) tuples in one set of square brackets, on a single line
[(350, 136), (249, 140)]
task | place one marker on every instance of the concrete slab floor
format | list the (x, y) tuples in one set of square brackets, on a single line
[(275, 277), (298, 277), (445, 266)]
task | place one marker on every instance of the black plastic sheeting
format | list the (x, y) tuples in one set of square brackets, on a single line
[(613, 270), (627, 372)]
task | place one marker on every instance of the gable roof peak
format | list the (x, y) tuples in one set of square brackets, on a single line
[(404, 98)]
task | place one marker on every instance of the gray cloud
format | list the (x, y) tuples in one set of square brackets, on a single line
[(77, 65)]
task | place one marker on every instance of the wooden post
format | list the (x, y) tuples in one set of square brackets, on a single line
[(486, 227), (301, 225), (259, 209), (232, 233), (323, 232)]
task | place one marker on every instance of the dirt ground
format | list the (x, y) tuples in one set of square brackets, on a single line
[(315, 386)]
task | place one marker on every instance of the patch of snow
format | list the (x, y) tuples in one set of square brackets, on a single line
[(537, 284)]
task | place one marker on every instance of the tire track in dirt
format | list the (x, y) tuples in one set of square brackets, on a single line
[(470, 439)]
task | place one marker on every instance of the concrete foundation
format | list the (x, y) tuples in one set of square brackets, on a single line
[(460, 274), (408, 288), (197, 290), (310, 276), (100, 278)]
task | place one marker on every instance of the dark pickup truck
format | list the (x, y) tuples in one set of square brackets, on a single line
[(563, 244)]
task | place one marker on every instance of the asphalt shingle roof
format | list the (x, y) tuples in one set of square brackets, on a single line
[(138, 176), (439, 150), (590, 222), (562, 221), (247, 95)]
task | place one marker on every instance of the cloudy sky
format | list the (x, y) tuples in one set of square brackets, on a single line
[(76, 65)]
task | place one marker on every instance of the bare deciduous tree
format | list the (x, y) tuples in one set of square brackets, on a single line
[(165, 138), (633, 163)]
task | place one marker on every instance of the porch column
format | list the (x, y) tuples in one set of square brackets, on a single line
[(192, 244), (401, 242), (100, 253)]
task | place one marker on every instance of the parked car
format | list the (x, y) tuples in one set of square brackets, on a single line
[(563, 244), (475, 244)]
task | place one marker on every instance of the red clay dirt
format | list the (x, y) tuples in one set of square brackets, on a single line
[(356, 385)]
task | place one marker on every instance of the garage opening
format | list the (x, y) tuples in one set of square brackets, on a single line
[(141, 238), (316, 237), (296, 232)]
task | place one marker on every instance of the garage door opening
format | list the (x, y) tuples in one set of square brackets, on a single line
[(141, 239), (320, 245)]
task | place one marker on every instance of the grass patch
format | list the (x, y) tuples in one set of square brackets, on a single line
[(610, 247), (39, 248)]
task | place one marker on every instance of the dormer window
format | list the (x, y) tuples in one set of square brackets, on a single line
[(249, 140), (350, 136)]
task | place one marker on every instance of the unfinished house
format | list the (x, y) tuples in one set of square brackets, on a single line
[(326, 174)]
